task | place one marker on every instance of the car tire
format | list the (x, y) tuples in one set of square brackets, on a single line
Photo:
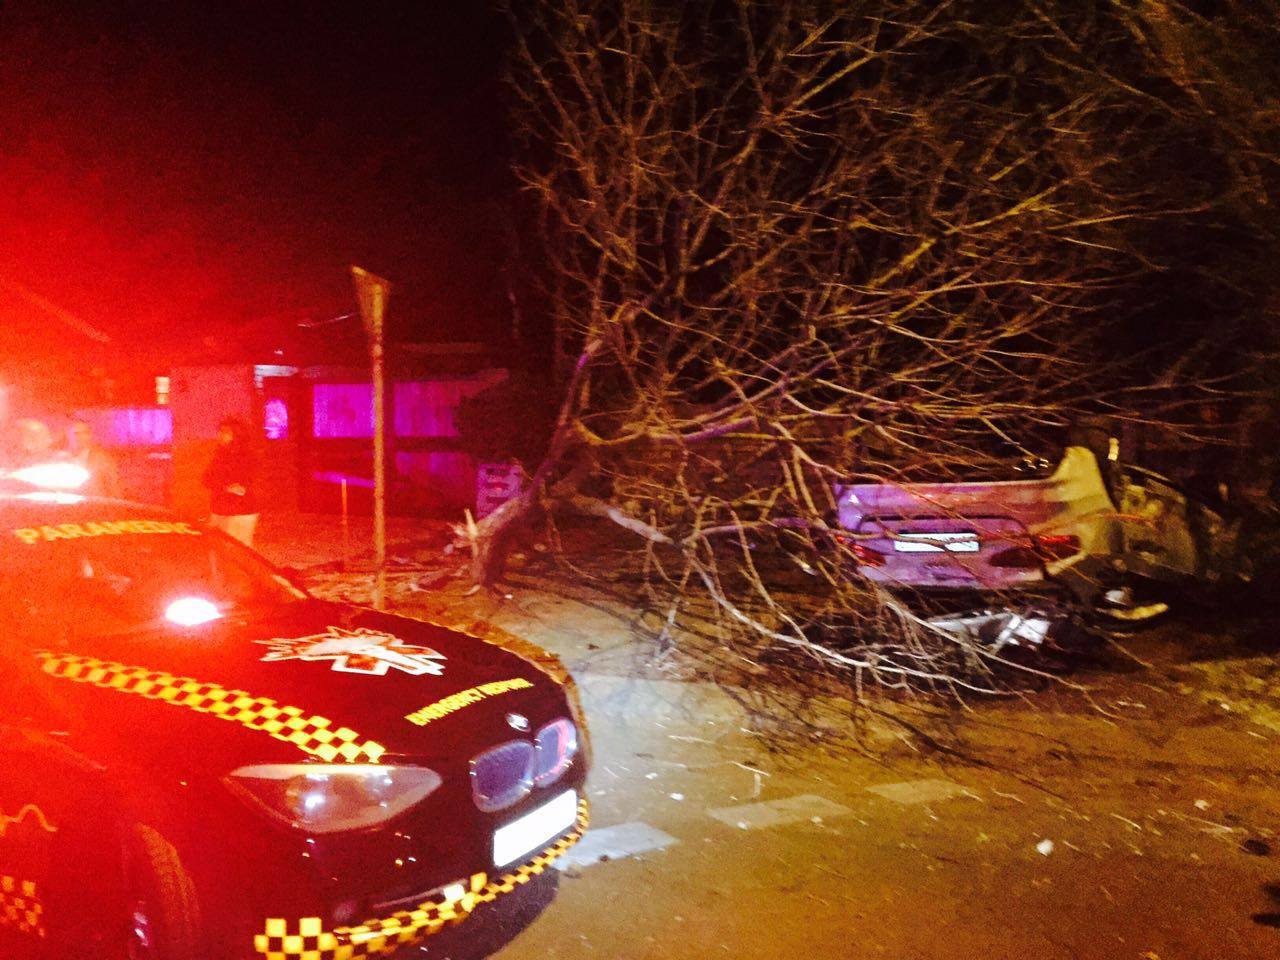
[(164, 912)]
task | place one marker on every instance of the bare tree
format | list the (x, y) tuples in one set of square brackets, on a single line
[(794, 243)]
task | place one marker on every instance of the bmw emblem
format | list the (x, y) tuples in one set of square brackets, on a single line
[(518, 721)]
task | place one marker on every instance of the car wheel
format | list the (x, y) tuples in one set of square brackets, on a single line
[(164, 914), (1129, 606)]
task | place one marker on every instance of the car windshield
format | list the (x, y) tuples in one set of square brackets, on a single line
[(114, 577)]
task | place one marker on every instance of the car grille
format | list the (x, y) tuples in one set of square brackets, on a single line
[(503, 775), (556, 746)]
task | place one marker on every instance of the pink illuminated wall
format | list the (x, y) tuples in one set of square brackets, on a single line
[(426, 471), (275, 419), (130, 426), (418, 409), (342, 410), (426, 409)]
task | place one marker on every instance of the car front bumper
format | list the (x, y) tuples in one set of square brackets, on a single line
[(308, 938)]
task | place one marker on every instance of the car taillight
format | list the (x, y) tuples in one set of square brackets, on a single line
[(1044, 548), (1057, 546), (868, 557), (861, 552)]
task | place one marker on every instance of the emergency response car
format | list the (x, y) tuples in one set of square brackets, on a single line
[(200, 760)]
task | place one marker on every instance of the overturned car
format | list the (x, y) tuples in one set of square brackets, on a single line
[(1013, 562)]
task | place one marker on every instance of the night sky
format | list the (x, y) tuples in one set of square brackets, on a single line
[(195, 180)]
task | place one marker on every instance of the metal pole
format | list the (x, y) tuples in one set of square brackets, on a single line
[(379, 476), (372, 292), (346, 528)]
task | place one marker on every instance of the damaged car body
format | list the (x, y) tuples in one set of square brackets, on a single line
[(1016, 562)]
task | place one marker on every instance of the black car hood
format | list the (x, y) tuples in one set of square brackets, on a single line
[(277, 686)]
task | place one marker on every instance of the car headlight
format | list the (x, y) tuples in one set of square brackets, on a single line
[(330, 798)]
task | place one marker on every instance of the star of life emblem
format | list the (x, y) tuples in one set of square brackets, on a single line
[(369, 652)]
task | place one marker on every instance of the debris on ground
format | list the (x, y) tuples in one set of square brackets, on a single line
[(1256, 847), (917, 792)]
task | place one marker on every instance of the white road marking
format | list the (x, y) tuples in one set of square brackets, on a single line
[(758, 816), (614, 843), (912, 792)]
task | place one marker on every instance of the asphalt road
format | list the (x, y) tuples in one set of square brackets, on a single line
[(1141, 821), (1109, 852)]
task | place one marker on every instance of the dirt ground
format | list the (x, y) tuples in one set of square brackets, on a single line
[(1138, 819)]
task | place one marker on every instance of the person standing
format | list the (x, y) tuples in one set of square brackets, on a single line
[(35, 443), (231, 478), (104, 475)]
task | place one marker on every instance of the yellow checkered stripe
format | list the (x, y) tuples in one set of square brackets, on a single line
[(308, 940), (20, 907), (312, 735)]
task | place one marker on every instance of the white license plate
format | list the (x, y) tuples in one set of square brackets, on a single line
[(949, 541), (535, 829)]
